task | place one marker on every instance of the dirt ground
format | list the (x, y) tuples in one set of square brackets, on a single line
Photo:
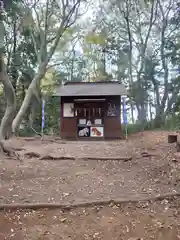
[(154, 169)]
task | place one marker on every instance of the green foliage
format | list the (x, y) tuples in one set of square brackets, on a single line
[(171, 124), (137, 127), (52, 119), (94, 38), (132, 128), (52, 116)]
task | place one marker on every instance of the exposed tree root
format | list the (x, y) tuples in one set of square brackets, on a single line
[(146, 154), (45, 140), (11, 152), (32, 155), (108, 158), (8, 151), (31, 139), (51, 157), (36, 206), (19, 149)]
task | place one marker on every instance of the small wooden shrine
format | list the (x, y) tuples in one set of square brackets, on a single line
[(90, 110)]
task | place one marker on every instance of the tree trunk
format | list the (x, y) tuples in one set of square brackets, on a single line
[(151, 113), (132, 111), (10, 96), (130, 71), (13, 69), (27, 100), (142, 118), (159, 120), (6, 123), (7, 119)]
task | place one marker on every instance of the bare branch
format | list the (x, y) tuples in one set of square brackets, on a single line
[(163, 58), (35, 46), (65, 23)]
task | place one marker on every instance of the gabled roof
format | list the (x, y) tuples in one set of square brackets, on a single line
[(111, 88)]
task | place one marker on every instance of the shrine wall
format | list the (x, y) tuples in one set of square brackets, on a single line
[(96, 116)]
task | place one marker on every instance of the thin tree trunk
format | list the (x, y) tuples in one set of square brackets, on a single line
[(142, 118), (27, 100), (103, 62), (160, 110), (13, 69), (150, 112), (142, 58), (6, 123), (130, 61), (72, 66)]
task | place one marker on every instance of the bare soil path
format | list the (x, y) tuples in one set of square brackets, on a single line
[(154, 169), (155, 221)]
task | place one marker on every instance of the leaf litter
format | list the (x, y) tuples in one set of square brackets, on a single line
[(154, 169)]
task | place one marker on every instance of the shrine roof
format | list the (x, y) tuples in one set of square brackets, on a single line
[(101, 88)]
